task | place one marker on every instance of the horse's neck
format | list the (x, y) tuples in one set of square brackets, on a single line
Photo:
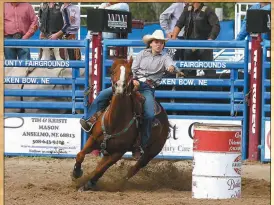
[(119, 113)]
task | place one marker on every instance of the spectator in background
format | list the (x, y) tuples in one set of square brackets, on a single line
[(168, 20), (50, 22), (20, 22), (71, 18), (243, 33), (200, 22)]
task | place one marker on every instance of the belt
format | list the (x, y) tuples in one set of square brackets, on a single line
[(148, 82), (15, 35)]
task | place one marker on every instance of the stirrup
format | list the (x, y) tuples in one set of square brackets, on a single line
[(140, 152), (86, 125)]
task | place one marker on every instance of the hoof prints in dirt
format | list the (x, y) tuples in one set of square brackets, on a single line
[(255, 187)]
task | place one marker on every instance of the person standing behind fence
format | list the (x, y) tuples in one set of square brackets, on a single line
[(201, 23), (20, 22), (50, 22), (243, 33), (71, 18), (168, 20)]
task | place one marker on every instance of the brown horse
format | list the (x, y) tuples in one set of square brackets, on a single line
[(116, 129)]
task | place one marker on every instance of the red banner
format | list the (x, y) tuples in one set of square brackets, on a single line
[(217, 141)]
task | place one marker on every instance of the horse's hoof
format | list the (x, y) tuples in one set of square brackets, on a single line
[(77, 173), (89, 186)]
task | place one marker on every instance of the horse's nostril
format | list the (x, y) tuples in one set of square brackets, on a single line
[(124, 85)]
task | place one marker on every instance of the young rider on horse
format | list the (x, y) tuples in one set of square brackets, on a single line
[(148, 69)]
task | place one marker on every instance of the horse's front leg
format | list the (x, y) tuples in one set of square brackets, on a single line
[(89, 147), (103, 165)]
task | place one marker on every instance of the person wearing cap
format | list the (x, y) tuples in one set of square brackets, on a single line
[(148, 68)]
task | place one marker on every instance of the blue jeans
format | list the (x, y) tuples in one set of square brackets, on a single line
[(102, 101), (16, 53), (148, 93)]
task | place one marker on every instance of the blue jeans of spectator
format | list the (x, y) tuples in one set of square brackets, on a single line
[(16, 53), (102, 101)]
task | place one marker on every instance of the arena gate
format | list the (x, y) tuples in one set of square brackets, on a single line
[(187, 100), (55, 135)]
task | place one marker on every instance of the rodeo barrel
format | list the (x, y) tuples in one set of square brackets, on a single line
[(217, 161), (56, 135)]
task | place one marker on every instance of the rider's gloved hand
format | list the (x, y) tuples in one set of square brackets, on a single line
[(136, 85)]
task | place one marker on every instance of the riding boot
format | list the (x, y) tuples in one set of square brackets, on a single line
[(146, 132), (138, 151), (88, 124)]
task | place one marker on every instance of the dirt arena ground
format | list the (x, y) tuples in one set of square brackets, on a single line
[(47, 181)]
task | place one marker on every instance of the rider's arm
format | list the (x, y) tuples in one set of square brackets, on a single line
[(169, 64)]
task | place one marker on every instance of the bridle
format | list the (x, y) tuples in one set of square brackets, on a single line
[(127, 86)]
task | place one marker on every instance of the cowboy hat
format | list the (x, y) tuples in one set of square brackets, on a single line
[(157, 34)]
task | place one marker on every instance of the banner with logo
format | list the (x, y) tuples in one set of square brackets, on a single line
[(42, 135), (267, 140)]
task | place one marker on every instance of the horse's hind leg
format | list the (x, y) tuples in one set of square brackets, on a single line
[(142, 162), (77, 171), (103, 165), (148, 155)]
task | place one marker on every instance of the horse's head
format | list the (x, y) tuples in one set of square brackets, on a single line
[(121, 76)]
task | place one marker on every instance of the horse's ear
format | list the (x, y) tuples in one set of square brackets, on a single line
[(130, 61)]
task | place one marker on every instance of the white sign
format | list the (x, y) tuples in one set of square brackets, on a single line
[(267, 140), (42, 135), (180, 144)]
